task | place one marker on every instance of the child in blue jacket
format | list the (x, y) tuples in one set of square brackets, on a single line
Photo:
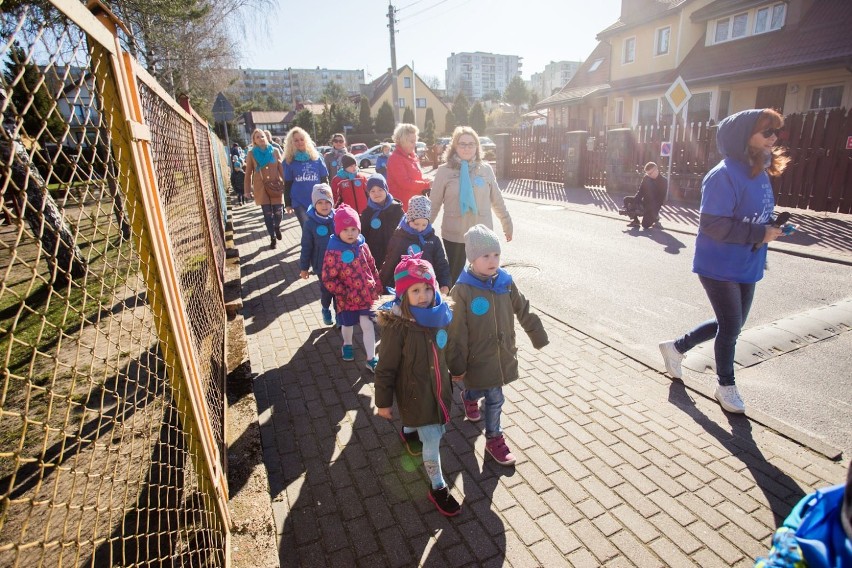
[(317, 230)]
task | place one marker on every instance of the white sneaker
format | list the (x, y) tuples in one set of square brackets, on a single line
[(672, 358), (729, 399)]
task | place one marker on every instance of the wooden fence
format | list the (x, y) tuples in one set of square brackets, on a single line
[(539, 153)]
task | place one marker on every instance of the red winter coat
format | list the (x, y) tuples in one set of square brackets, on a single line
[(405, 179), (352, 192)]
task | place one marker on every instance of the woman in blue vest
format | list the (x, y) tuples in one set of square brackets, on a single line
[(303, 169)]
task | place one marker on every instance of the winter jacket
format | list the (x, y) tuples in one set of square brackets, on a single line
[(316, 232), (332, 160), (482, 333), (352, 192), (413, 369), (355, 284), (652, 193), (402, 242), (445, 192), (254, 181), (378, 237), (405, 178)]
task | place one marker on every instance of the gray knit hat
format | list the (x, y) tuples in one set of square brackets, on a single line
[(479, 241), (419, 207), (321, 191)]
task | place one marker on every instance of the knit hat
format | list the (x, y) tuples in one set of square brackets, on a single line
[(411, 270), (345, 217), (347, 160), (377, 180), (321, 191), (479, 241), (419, 207)]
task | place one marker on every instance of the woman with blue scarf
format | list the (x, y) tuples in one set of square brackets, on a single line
[(261, 156), (380, 218), (303, 169), (413, 370), (466, 187)]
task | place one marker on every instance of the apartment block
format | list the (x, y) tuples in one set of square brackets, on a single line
[(296, 85), (478, 74)]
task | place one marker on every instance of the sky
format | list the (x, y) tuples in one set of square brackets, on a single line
[(353, 34)]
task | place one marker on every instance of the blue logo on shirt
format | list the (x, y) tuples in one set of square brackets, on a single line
[(322, 230), (478, 181), (347, 256), (441, 338), (414, 249), (480, 305), (376, 223)]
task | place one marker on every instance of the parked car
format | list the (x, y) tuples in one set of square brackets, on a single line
[(420, 149), (323, 150), (368, 159), (489, 148), (358, 148)]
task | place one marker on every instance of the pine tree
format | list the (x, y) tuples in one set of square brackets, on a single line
[(365, 120), (385, 121), (428, 132), (304, 119), (516, 93), (408, 115), (430, 115), (450, 123), (477, 118), (461, 108), (42, 112)]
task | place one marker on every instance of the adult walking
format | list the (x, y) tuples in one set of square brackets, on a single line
[(303, 169), (265, 181), (405, 178), (730, 250), (466, 187), (333, 158)]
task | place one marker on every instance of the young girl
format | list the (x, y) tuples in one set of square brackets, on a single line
[(349, 186), (412, 368), (349, 272), (316, 232), (382, 161), (482, 335), (380, 218), (415, 234)]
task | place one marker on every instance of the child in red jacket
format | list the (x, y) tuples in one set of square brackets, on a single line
[(349, 186)]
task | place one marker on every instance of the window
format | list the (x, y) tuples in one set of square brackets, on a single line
[(421, 103), (731, 28), (661, 43), (721, 30), (401, 102), (827, 97), (739, 27), (770, 18), (406, 82), (698, 108), (619, 111), (629, 53), (648, 111)]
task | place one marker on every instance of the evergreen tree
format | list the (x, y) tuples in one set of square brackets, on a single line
[(36, 107), (385, 121), (305, 119), (430, 115), (533, 99), (477, 118), (428, 132), (365, 120), (449, 123), (461, 108), (408, 115), (516, 93)]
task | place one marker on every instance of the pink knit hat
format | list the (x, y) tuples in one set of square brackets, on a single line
[(344, 217), (411, 270)]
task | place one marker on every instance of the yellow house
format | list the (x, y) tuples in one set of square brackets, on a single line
[(412, 93)]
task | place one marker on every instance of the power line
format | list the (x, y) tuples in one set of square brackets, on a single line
[(423, 10), (409, 5), (432, 17)]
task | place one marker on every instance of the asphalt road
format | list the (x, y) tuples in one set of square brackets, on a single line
[(632, 289)]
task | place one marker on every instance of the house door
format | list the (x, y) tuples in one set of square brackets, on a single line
[(771, 96)]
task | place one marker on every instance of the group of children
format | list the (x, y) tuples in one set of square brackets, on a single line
[(429, 341)]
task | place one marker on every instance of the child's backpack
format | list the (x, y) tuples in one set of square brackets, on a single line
[(631, 207)]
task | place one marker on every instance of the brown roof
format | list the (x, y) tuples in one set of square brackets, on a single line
[(821, 40), (642, 12), (584, 82), (379, 85)]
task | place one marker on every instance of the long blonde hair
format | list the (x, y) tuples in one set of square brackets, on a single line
[(290, 145)]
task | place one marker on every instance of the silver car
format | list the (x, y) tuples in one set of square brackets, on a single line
[(368, 159)]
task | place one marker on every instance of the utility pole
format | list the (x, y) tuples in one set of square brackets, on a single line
[(394, 86)]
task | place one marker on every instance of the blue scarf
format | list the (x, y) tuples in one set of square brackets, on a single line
[(403, 224), (500, 283), (379, 207), (344, 174), (327, 220), (302, 156), (263, 157), (335, 243), (467, 202), (439, 315)]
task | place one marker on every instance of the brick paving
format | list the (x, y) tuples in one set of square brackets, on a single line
[(617, 464)]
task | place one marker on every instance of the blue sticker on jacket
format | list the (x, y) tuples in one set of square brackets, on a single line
[(357, 183), (334, 162), (322, 230), (478, 181), (480, 305), (376, 223), (347, 256), (441, 338), (413, 249)]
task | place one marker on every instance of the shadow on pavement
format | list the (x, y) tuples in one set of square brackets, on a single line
[(670, 243)]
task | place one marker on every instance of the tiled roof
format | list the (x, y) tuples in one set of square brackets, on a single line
[(649, 12), (822, 39), (569, 96), (584, 82), (721, 8)]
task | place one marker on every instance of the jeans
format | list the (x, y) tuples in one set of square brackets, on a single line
[(301, 214), (731, 302), (272, 214), (456, 258), (325, 296), (494, 400)]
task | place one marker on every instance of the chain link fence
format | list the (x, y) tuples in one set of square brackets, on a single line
[(112, 318)]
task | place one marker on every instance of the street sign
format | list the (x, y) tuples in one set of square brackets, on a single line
[(665, 149), (678, 95), (849, 142), (223, 110)]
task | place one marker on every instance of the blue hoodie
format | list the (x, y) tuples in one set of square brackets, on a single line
[(734, 208), (316, 233)]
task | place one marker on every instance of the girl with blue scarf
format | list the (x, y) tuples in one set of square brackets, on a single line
[(413, 370), (380, 218)]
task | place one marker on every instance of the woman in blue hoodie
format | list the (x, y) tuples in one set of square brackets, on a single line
[(730, 250)]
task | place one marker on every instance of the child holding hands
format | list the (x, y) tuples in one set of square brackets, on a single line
[(412, 368), (482, 349), (349, 272), (316, 232)]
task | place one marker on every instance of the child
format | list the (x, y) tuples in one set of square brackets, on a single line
[(651, 195), (316, 232), (482, 335), (238, 175), (415, 234), (349, 272), (412, 368), (349, 186), (382, 161), (380, 218)]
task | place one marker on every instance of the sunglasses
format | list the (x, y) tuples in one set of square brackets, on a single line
[(770, 132), (335, 141)]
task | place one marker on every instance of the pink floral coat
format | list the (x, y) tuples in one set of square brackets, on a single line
[(356, 284)]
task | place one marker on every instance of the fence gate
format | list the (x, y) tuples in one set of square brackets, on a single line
[(594, 162), (539, 153)]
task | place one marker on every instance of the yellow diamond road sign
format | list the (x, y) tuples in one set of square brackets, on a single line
[(678, 95)]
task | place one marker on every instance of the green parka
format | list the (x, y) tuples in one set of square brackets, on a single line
[(483, 346), (413, 368)]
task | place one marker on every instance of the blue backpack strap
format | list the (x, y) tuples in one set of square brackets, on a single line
[(820, 535)]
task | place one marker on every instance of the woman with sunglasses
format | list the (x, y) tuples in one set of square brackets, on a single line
[(466, 187), (334, 156), (730, 250)]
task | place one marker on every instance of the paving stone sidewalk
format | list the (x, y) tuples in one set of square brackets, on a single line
[(617, 465)]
